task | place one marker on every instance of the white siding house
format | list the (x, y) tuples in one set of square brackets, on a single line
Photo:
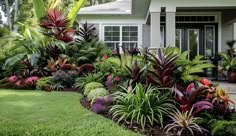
[(202, 26)]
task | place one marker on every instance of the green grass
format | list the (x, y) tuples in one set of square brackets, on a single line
[(33, 113)]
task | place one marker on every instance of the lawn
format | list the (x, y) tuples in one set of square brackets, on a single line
[(30, 113)]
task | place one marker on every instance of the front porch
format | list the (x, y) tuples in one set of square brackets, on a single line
[(177, 26)]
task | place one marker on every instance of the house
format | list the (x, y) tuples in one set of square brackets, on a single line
[(202, 26)]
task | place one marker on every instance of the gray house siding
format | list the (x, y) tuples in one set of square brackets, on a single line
[(227, 35), (146, 36)]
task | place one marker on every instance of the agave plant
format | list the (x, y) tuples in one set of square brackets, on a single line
[(188, 98), (184, 123), (163, 68), (142, 105)]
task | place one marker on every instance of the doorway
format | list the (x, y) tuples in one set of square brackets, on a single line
[(198, 39)]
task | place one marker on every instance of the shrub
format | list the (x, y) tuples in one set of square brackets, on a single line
[(96, 93), (65, 77), (44, 83), (184, 123), (142, 105), (102, 104), (80, 82), (86, 68), (224, 128), (91, 86)]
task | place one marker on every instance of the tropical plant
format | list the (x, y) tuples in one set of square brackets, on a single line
[(31, 40), (184, 123), (224, 128), (189, 70), (85, 69), (65, 77), (44, 83), (163, 65), (222, 101), (192, 97), (81, 81), (229, 63), (86, 33), (141, 105), (87, 52), (218, 97), (102, 104), (57, 22), (56, 87), (96, 93), (137, 75), (40, 9), (90, 86)]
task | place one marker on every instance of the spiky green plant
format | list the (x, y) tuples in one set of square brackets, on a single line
[(184, 122), (80, 82), (142, 105)]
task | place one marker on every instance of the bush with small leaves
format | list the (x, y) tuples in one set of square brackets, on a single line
[(96, 93), (91, 86), (43, 83), (224, 128)]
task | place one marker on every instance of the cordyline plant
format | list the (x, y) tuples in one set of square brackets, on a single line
[(137, 74), (193, 97), (218, 97), (58, 25), (163, 67), (56, 20)]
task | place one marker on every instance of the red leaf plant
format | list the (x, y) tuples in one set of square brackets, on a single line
[(219, 97), (57, 21), (193, 97)]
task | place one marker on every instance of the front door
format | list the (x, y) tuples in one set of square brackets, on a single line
[(198, 39)]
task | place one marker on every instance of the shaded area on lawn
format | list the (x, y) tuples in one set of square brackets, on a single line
[(54, 113)]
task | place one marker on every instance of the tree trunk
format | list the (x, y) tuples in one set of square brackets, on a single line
[(8, 15)]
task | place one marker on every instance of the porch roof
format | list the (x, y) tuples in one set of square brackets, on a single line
[(116, 7)]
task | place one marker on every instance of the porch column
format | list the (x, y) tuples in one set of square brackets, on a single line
[(155, 29), (170, 26)]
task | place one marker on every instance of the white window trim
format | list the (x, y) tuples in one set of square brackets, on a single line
[(163, 35), (121, 25), (180, 40), (214, 43), (188, 42)]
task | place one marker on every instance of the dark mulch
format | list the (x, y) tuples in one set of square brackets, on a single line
[(149, 130)]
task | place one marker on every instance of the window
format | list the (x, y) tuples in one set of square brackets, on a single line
[(126, 36), (112, 36), (209, 41), (178, 40)]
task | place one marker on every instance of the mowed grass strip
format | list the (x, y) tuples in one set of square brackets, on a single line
[(38, 113)]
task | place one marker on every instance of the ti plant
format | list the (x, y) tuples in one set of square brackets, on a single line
[(163, 68), (58, 25), (137, 75), (192, 97), (184, 123), (219, 97)]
